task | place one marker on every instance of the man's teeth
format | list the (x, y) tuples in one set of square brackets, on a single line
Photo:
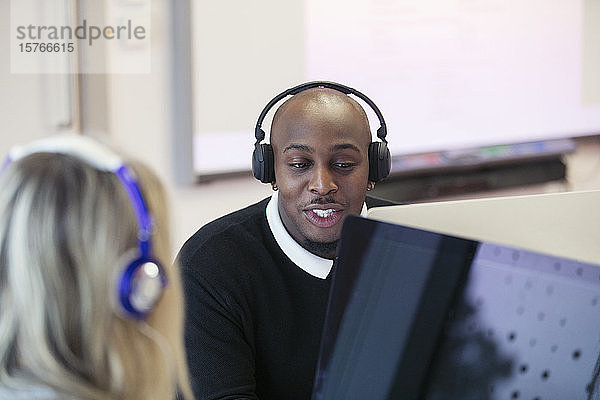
[(324, 213)]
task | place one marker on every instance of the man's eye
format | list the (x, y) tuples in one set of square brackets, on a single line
[(299, 165), (344, 165)]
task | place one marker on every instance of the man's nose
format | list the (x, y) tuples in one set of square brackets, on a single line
[(322, 181)]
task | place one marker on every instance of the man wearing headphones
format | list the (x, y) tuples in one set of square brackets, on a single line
[(257, 280)]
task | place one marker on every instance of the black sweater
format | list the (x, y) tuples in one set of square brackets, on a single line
[(253, 317)]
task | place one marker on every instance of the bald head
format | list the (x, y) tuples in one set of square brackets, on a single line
[(321, 107)]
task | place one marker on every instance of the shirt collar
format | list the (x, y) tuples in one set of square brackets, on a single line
[(314, 265)]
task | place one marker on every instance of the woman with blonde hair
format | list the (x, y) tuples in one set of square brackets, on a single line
[(90, 306)]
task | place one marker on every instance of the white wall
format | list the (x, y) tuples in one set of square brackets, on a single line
[(21, 105), (138, 120)]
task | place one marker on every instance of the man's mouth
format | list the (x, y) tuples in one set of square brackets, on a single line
[(323, 216)]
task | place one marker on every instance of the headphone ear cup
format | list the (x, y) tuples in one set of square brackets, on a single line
[(380, 161), (140, 286), (263, 166)]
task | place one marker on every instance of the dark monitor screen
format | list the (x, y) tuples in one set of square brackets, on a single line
[(415, 314)]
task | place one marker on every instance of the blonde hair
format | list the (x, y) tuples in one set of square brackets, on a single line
[(64, 228)]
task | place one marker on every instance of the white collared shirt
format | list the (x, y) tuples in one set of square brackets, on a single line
[(314, 265)]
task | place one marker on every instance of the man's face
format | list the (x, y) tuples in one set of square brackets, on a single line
[(321, 169)]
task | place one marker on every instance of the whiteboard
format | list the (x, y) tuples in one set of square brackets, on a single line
[(446, 74)]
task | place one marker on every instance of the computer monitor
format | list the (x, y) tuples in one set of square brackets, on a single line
[(415, 314)]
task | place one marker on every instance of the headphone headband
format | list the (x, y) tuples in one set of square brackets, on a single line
[(101, 158), (260, 134), (79, 146)]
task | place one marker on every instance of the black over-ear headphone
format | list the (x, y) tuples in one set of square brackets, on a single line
[(263, 167)]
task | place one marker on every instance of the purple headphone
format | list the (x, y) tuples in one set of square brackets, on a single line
[(142, 279)]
